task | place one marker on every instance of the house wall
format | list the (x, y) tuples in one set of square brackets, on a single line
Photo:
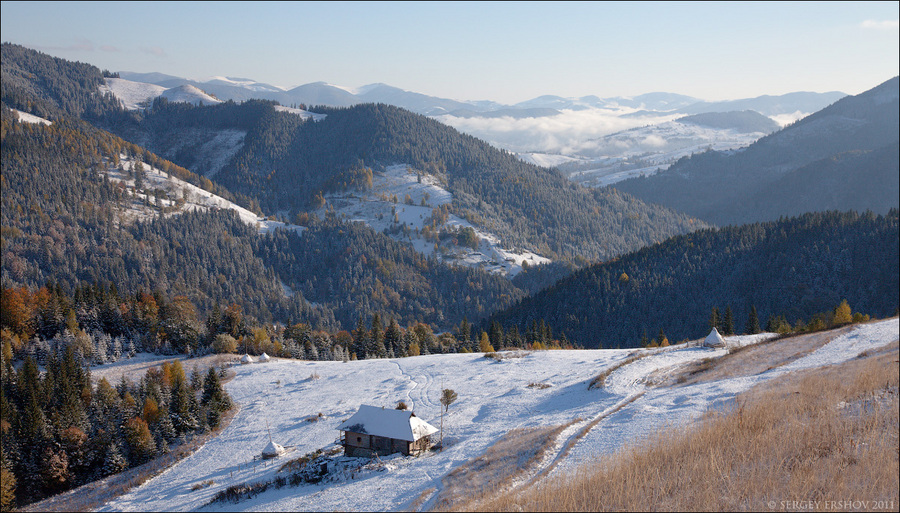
[(420, 445), (364, 445), (360, 440)]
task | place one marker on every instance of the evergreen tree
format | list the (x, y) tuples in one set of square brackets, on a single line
[(728, 322), (464, 332), (661, 339), (752, 322), (376, 339), (360, 339), (215, 399), (393, 339), (496, 334), (714, 321)]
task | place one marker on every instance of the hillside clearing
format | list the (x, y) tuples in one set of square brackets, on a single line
[(494, 398)]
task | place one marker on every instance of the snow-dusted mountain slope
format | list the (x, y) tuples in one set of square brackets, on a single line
[(132, 95), (189, 94), (137, 95), (641, 151), (245, 83), (177, 196), (386, 208), (282, 396)]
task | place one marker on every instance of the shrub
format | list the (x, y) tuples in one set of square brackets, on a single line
[(224, 343)]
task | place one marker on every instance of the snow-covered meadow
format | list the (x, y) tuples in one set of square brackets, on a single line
[(287, 397), (376, 207)]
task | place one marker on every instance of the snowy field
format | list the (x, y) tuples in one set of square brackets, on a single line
[(376, 208), (494, 397)]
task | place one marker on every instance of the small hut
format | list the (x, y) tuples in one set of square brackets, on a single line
[(264, 358), (379, 431), (247, 359), (714, 340)]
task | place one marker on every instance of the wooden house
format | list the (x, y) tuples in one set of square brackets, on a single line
[(382, 431)]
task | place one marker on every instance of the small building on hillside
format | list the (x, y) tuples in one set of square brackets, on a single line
[(714, 339), (373, 430)]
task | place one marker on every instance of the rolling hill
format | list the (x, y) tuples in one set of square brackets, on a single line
[(811, 156)]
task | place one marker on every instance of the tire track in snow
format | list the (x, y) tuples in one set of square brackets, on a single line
[(410, 403), (566, 440)]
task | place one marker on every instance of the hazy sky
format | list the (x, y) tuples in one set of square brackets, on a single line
[(507, 52)]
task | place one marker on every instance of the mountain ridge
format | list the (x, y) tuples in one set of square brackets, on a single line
[(711, 184)]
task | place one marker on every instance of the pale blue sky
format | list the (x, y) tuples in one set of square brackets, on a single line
[(507, 52)]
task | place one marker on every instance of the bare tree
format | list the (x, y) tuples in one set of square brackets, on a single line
[(447, 398)]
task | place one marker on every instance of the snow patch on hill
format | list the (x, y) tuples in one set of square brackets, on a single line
[(132, 95), (189, 94), (305, 114), (25, 117), (174, 196), (139, 95), (386, 208)]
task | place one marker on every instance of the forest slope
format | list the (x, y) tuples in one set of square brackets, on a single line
[(794, 268)]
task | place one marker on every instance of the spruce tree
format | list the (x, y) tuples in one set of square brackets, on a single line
[(376, 340), (752, 322), (714, 318), (728, 322)]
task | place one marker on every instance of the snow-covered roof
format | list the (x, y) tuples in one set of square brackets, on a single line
[(714, 339), (389, 423)]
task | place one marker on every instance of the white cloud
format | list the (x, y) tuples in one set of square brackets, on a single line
[(880, 24), (551, 134), (786, 119), (654, 141)]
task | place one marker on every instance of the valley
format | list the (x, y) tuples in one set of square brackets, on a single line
[(194, 271)]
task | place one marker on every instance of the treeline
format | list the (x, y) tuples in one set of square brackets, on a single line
[(99, 326), (793, 268), (60, 430), (51, 87)]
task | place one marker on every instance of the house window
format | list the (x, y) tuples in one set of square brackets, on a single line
[(358, 439)]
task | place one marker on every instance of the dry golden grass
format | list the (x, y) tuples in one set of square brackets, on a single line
[(824, 436)]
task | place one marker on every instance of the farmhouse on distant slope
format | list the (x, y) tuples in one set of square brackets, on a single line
[(373, 430)]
